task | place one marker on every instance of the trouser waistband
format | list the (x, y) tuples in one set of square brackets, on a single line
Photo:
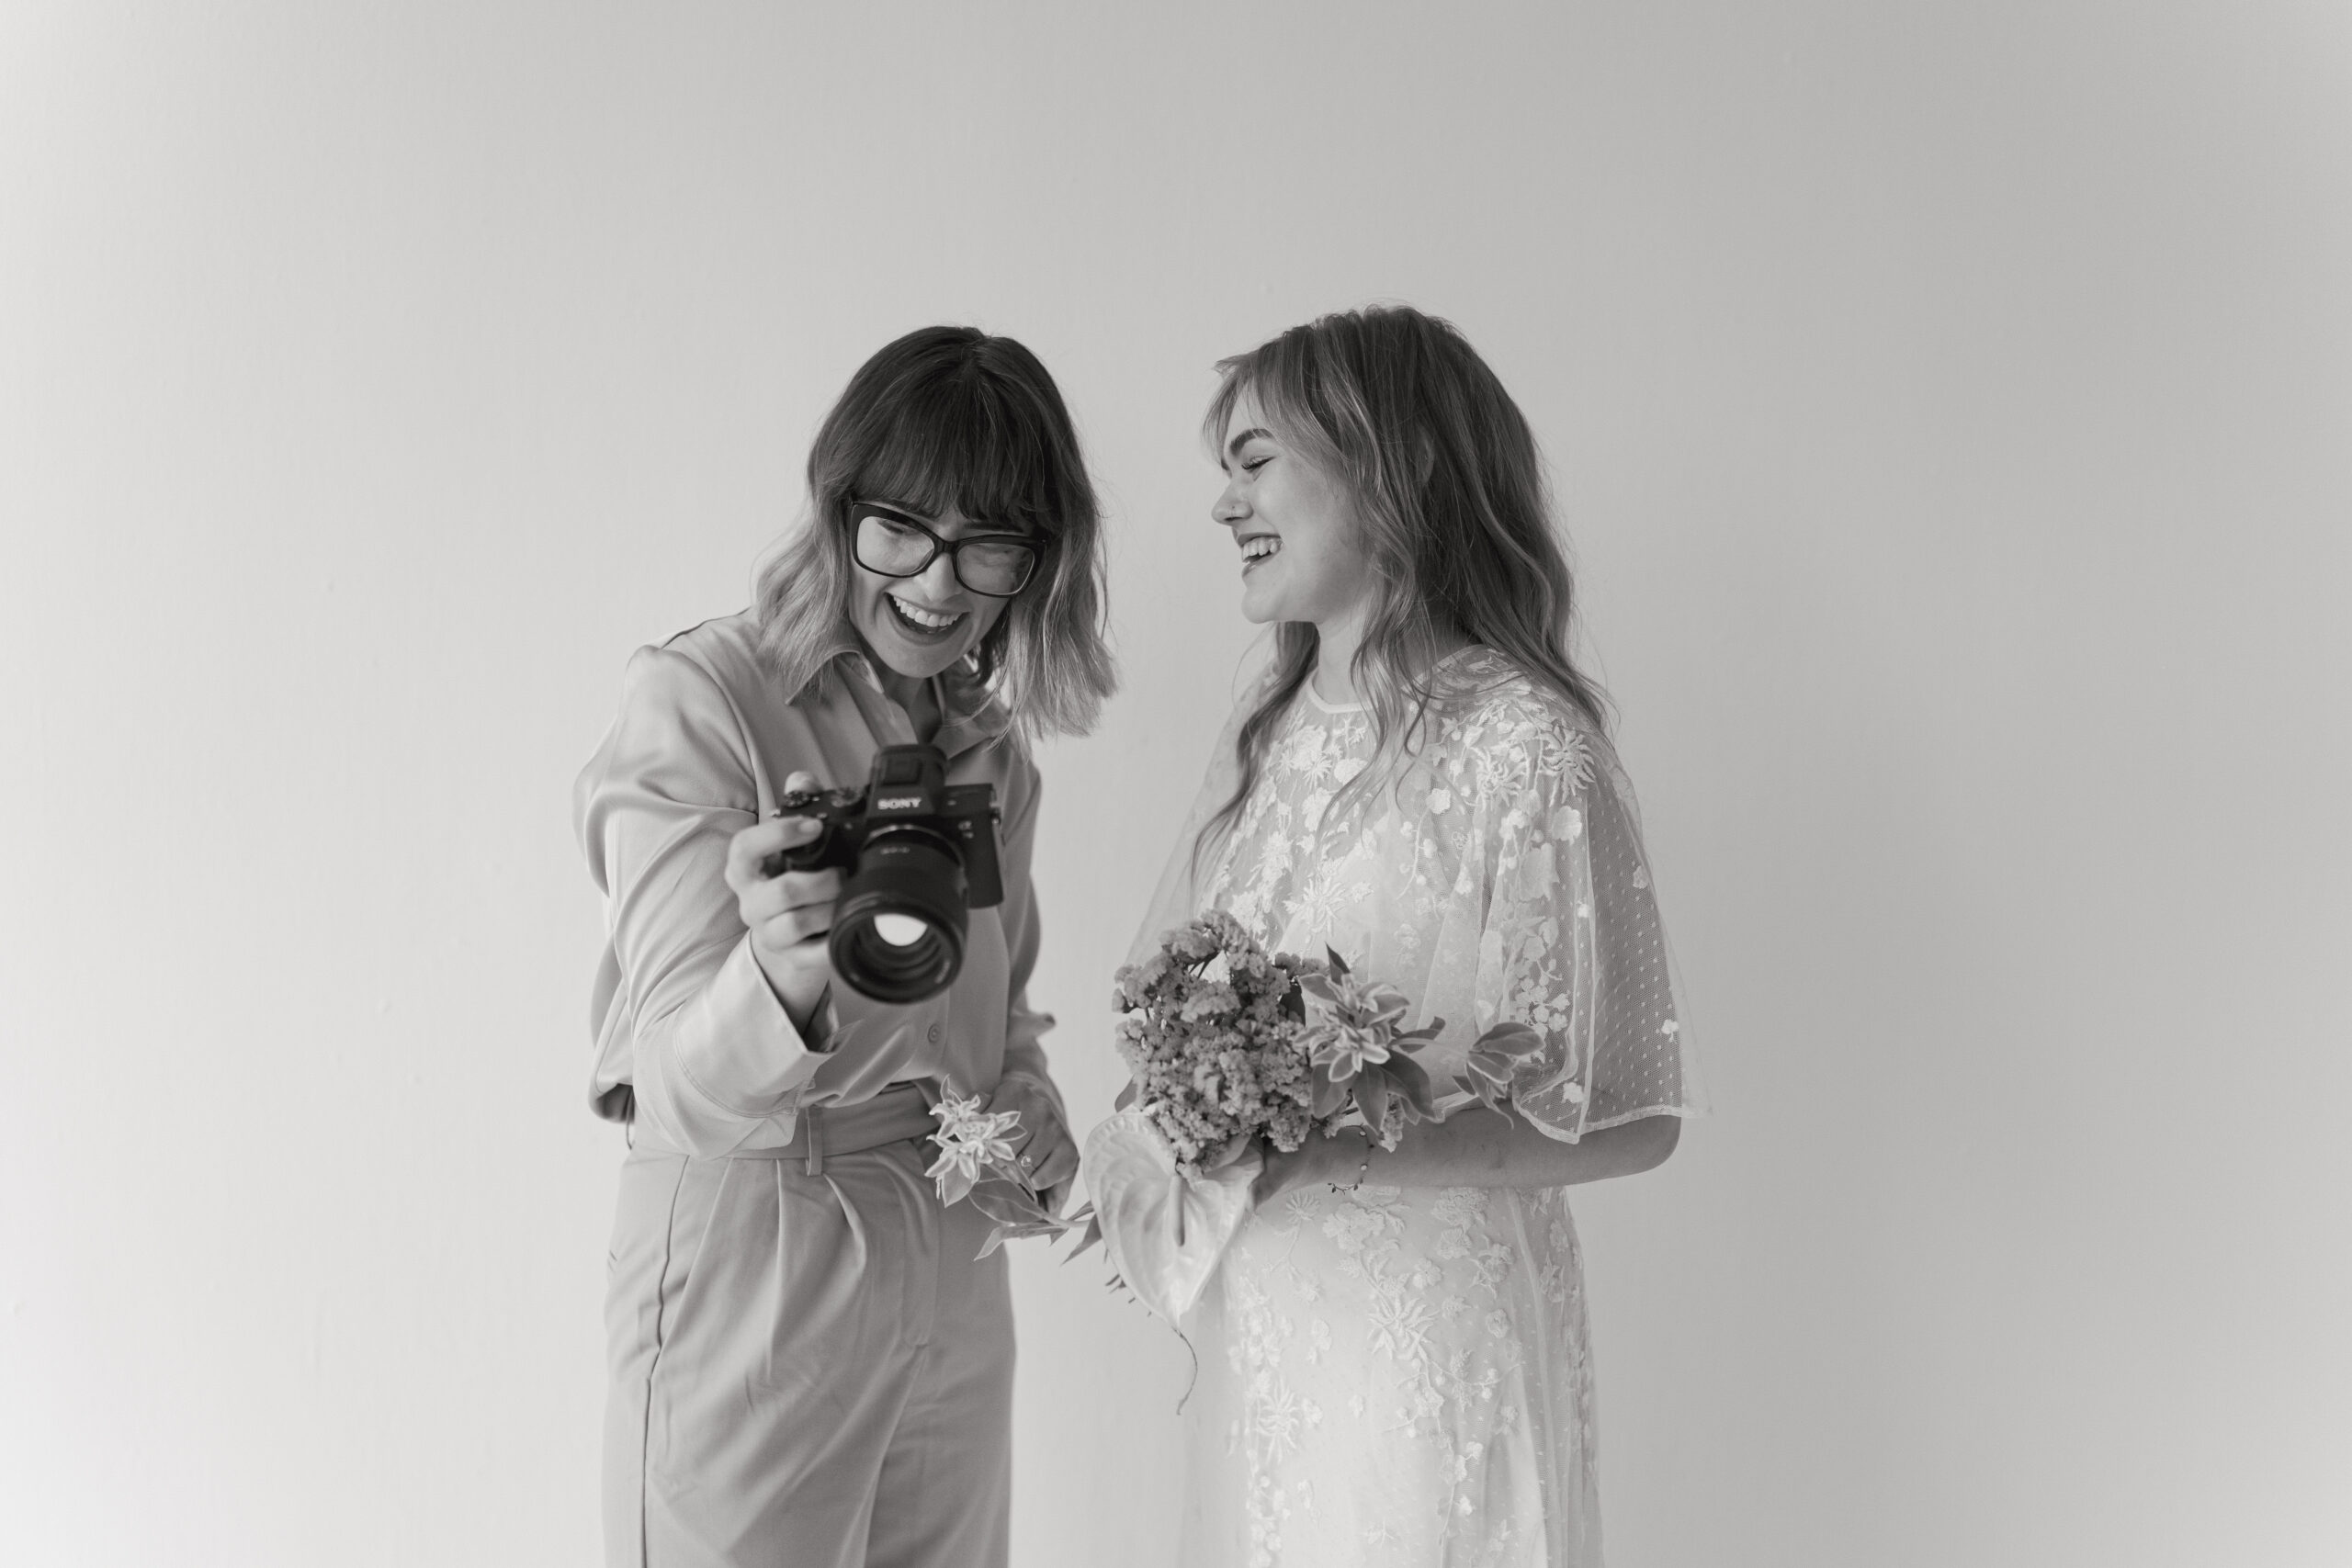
[(898, 1114)]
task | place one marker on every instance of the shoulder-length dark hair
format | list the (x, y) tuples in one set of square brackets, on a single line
[(952, 419), (1447, 495)]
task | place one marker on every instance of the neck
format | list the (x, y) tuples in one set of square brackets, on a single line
[(915, 695), (1336, 642)]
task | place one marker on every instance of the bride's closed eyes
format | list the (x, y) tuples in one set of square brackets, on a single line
[(1300, 561)]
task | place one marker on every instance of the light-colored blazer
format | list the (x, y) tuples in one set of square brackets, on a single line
[(691, 1042)]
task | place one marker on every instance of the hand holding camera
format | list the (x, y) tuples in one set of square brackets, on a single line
[(789, 915), (888, 875)]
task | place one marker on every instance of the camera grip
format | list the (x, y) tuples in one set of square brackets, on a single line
[(827, 848), (783, 861)]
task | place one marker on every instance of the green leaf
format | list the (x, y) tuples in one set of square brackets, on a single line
[(1092, 1236), (1511, 1038), (1413, 1086), (1330, 1093), (1414, 1039), (1010, 1203), (1017, 1210), (1371, 1097), (953, 1186), (1339, 965)]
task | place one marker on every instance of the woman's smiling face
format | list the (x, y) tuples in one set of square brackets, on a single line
[(923, 625), (1299, 557)]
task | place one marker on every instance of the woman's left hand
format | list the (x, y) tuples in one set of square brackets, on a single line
[(1044, 1148), (1339, 1160)]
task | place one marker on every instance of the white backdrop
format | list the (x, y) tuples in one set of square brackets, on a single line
[(1951, 405)]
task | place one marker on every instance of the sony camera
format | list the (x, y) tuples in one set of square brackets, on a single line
[(916, 855)]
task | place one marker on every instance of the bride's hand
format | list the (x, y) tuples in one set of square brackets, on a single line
[(1339, 1161)]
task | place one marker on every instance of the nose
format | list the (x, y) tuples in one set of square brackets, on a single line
[(938, 580), (1230, 507)]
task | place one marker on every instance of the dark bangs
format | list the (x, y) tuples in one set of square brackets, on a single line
[(959, 423), (950, 419)]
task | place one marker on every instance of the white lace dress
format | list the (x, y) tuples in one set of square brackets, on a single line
[(1403, 1376)]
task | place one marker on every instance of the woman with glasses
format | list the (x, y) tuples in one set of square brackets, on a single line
[(811, 1361)]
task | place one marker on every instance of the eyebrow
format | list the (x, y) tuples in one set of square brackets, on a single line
[(1255, 432), (973, 527)]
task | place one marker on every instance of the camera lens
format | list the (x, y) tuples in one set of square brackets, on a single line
[(898, 929)]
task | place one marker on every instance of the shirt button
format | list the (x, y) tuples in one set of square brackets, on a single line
[(931, 1034)]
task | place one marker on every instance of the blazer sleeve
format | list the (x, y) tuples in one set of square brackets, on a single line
[(713, 1056), (1024, 1026)]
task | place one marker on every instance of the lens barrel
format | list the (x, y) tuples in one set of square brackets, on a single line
[(913, 874)]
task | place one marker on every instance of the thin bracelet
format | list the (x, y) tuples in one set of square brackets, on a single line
[(1362, 1170)]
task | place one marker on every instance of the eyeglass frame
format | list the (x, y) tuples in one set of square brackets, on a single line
[(854, 511)]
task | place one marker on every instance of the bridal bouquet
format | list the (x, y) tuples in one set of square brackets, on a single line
[(1231, 1051)]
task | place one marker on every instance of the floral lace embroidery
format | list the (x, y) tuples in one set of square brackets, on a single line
[(1404, 1373)]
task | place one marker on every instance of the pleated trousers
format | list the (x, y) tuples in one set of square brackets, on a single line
[(808, 1369)]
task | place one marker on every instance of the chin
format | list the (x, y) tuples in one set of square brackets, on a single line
[(914, 663), (923, 665), (921, 668)]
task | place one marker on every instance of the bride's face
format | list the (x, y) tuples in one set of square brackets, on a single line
[(1299, 557)]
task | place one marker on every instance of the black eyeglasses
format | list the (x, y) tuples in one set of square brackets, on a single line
[(997, 566)]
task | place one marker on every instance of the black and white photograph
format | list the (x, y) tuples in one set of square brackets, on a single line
[(1020, 784)]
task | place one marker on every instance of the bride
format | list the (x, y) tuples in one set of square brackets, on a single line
[(1395, 1364)]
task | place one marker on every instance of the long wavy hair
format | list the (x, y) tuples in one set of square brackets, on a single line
[(952, 419), (1447, 496)]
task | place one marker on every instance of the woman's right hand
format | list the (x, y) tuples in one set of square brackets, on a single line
[(789, 915)]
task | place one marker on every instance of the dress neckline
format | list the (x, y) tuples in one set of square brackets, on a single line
[(1343, 709), (1315, 697)]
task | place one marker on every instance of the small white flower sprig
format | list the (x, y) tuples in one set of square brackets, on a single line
[(972, 1140), (975, 1161)]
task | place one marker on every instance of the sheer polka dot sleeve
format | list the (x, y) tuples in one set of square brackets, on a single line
[(1493, 871), (1574, 946)]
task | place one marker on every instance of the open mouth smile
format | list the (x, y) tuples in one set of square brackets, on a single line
[(1255, 548), (927, 625)]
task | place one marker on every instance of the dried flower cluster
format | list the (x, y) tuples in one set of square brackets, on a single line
[(1224, 1043), (1213, 1039)]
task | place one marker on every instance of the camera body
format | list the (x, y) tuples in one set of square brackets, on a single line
[(916, 854)]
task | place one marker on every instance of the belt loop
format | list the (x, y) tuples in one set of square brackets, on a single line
[(812, 1127)]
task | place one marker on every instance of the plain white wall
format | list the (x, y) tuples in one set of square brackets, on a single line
[(1950, 406)]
